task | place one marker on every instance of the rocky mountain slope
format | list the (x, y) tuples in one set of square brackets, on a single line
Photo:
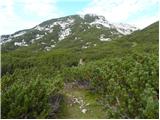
[(82, 31)]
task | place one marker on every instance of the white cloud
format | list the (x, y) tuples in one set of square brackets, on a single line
[(42, 8), (118, 10), (6, 10), (32, 12), (6, 6), (35, 10), (144, 21)]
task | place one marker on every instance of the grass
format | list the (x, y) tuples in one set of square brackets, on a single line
[(94, 110)]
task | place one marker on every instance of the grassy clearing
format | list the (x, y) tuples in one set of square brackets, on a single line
[(69, 109)]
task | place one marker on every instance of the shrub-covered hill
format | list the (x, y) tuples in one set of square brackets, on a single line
[(123, 72)]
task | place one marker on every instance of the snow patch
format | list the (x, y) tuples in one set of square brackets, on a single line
[(63, 24), (39, 36), (94, 45), (51, 26), (32, 41), (8, 38), (114, 33), (5, 40), (52, 46), (47, 29), (39, 28), (82, 16), (101, 21), (75, 38), (124, 29), (84, 47), (23, 43), (43, 43), (98, 27), (47, 48), (51, 30), (88, 43), (64, 33), (104, 39), (88, 27)]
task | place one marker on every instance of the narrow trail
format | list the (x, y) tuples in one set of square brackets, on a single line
[(79, 103)]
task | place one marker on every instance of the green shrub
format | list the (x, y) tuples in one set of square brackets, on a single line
[(27, 97), (128, 85)]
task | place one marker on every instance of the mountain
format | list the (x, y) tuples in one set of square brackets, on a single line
[(79, 30), (80, 66)]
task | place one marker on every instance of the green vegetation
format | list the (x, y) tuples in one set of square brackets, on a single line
[(128, 86), (122, 74), (72, 110), (25, 94)]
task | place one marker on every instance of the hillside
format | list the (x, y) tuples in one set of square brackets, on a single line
[(70, 31), (80, 67)]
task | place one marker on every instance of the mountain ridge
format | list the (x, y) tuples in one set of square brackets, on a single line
[(89, 18), (59, 18), (52, 33)]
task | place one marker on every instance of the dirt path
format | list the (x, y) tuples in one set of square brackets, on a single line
[(80, 103)]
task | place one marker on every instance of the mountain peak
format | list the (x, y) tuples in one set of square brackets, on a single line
[(75, 28)]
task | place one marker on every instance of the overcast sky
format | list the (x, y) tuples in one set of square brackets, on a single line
[(21, 14)]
